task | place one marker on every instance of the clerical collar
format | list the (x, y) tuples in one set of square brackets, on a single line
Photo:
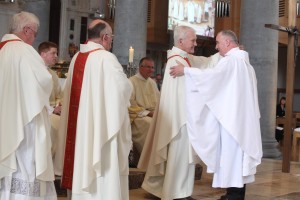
[(140, 76)]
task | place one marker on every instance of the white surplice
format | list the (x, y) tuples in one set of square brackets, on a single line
[(26, 169), (223, 119), (103, 135)]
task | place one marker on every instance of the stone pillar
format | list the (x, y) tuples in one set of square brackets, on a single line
[(63, 53), (130, 29), (41, 8), (262, 45)]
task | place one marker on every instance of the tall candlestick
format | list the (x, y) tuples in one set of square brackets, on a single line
[(131, 53)]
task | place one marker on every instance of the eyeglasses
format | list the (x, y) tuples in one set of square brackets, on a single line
[(34, 32), (110, 35)]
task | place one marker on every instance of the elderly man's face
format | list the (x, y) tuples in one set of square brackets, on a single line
[(222, 44), (189, 42), (30, 33)]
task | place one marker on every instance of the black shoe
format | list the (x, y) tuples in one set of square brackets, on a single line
[(190, 198), (151, 196), (186, 198), (223, 197)]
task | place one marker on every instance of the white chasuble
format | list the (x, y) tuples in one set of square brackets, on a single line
[(223, 112), (25, 144), (103, 135)]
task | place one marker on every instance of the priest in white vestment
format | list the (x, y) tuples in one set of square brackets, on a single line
[(143, 101), (168, 155), (48, 51), (226, 138), (26, 169), (103, 135)]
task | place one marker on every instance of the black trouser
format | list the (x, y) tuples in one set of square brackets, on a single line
[(234, 193)]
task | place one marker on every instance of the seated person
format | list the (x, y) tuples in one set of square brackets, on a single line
[(48, 51), (280, 112), (280, 109), (145, 96)]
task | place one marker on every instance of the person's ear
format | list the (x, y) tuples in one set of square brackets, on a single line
[(180, 41), (105, 37), (25, 30), (42, 54), (227, 42)]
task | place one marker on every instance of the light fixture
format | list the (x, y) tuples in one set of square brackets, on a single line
[(7, 1), (97, 15)]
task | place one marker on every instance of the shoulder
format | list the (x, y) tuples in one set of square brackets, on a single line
[(104, 57), (133, 79), (107, 56), (151, 81)]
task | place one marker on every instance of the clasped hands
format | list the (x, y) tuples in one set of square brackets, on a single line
[(57, 109)]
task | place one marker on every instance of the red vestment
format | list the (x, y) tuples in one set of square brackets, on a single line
[(185, 58), (77, 79), (3, 43)]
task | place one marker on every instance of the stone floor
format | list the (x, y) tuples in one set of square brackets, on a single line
[(271, 184)]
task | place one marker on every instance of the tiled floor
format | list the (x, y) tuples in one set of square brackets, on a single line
[(271, 184)]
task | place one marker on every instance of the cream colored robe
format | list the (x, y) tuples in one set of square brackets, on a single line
[(144, 98), (55, 99), (103, 136), (25, 87), (224, 127), (56, 94)]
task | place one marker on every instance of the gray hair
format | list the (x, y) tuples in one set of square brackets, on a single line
[(180, 33), (21, 20), (231, 35)]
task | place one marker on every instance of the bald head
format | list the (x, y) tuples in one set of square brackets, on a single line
[(97, 28), (95, 22), (100, 32)]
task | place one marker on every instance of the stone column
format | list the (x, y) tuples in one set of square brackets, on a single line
[(63, 33), (262, 45), (130, 29), (41, 8)]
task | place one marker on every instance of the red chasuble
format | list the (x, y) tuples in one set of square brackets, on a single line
[(72, 119)]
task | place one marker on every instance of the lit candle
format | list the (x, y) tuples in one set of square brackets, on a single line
[(131, 53)]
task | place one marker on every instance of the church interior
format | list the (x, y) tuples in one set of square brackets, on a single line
[(147, 27)]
